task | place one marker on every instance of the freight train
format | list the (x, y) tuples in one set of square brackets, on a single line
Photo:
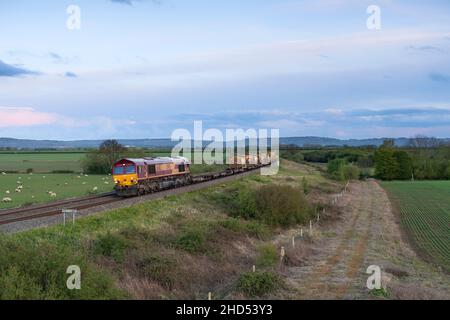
[(135, 177)]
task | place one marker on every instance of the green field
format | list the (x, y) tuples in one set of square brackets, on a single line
[(40, 162), (36, 187), (424, 207)]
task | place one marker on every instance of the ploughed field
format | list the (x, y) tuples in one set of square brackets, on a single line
[(424, 208), (40, 188)]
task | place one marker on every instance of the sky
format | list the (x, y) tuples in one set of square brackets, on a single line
[(141, 69)]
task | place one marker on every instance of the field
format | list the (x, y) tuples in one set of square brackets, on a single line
[(40, 162), (425, 216), (36, 187), (52, 162), (178, 247)]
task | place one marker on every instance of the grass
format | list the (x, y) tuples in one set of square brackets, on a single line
[(36, 187), (40, 162), (424, 208), (258, 284), (178, 247)]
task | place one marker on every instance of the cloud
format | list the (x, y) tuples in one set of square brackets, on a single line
[(8, 70), (70, 74), (439, 77), (24, 117), (425, 49)]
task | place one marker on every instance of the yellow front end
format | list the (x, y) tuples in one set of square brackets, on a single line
[(126, 180)]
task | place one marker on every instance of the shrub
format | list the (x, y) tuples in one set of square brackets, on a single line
[(268, 256), (37, 270), (257, 284), (350, 172), (110, 245), (192, 240), (160, 269), (281, 205), (305, 185), (29, 170)]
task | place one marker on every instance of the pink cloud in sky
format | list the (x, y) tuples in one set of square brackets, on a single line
[(24, 117)]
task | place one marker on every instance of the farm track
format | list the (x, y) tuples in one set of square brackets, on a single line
[(35, 212), (335, 271)]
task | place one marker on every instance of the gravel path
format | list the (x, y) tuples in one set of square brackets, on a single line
[(48, 221)]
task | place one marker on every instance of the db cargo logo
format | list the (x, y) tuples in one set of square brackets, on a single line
[(234, 147)]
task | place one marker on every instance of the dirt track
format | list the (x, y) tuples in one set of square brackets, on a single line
[(366, 234)]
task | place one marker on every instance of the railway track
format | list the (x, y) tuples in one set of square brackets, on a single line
[(10, 216)]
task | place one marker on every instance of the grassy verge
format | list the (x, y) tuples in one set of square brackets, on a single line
[(178, 247)]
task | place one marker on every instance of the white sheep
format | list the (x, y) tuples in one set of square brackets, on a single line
[(6, 199), (95, 189), (52, 194), (106, 182), (3, 173), (83, 183), (8, 192), (18, 190)]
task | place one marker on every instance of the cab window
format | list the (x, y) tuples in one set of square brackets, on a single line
[(118, 170), (181, 168), (130, 169)]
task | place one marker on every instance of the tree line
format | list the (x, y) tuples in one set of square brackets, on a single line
[(423, 158)]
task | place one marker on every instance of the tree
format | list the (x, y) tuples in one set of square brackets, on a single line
[(112, 150), (386, 166), (404, 165)]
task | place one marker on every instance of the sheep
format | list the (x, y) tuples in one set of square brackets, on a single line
[(106, 182), (8, 192), (52, 194), (6, 199), (18, 190), (95, 189), (3, 173), (19, 182), (83, 183)]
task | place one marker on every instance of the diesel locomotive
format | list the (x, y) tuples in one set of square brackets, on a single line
[(134, 177)]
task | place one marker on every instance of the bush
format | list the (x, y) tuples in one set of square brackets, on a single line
[(305, 185), (192, 241), (350, 172), (160, 269), (29, 170), (37, 270), (257, 284), (281, 205), (110, 245), (268, 256)]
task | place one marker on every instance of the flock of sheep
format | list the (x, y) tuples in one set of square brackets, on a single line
[(52, 194)]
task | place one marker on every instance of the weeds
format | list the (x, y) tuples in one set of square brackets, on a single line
[(258, 284)]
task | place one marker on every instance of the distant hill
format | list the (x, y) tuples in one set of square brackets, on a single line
[(167, 143)]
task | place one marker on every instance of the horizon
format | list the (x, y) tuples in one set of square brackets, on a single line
[(145, 68)]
